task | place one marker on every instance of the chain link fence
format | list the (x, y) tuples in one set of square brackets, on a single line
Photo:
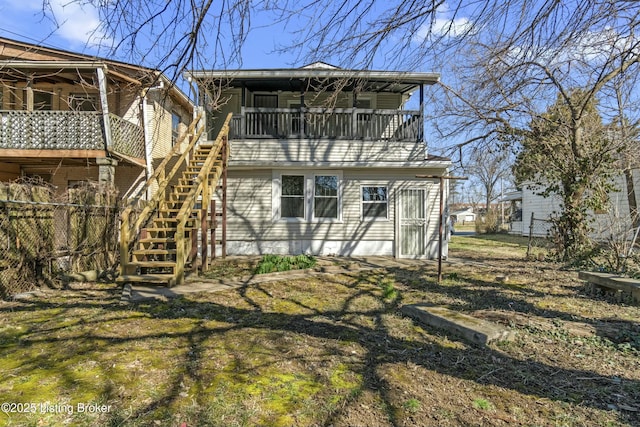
[(43, 236)]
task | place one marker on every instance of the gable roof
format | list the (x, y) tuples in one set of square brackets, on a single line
[(19, 59)]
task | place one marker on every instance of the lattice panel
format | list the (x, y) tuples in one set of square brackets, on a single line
[(127, 138), (51, 130)]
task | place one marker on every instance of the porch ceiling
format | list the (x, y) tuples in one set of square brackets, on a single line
[(310, 79)]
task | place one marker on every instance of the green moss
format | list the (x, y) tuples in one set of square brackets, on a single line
[(343, 378)]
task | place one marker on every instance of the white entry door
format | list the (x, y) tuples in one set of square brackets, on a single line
[(413, 223)]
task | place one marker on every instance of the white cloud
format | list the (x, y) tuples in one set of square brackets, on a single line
[(77, 22), (444, 25)]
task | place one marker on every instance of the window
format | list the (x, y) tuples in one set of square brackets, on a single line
[(375, 202), (42, 101), (175, 127), (307, 196), (325, 197), (83, 102), (292, 196)]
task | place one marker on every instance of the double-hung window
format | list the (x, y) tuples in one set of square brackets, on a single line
[(325, 197), (304, 196), (292, 199), (375, 202)]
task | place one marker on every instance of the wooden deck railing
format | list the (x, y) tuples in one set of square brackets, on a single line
[(337, 123), (69, 130)]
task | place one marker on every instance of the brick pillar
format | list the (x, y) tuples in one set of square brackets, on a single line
[(106, 170)]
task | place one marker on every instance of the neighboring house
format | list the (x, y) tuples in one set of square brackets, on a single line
[(463, 216), (324, 161), (68, 117), (530, 204)]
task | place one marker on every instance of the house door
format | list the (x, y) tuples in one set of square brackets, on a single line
[(413, 223)]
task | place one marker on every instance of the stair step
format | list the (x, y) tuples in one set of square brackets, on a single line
[(154, 252), (153, 264), (157, 240), (160, 229), (146, 278)]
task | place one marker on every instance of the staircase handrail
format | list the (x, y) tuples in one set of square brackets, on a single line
[(163, 180), (200, 183)]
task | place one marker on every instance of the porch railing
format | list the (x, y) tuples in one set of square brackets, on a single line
[(337, 123), (68, 130)]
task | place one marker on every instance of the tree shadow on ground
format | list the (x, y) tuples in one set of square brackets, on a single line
[(344, 324)]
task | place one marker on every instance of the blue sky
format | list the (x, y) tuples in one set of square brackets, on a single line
[(75, 26)]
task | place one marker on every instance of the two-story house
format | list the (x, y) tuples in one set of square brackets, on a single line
[(68, 117), (324, 160)]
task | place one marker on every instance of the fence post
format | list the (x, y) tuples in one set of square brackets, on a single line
[(204, 240), (214, 225), (530, 235)]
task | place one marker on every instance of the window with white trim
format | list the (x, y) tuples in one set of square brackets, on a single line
[(375, 202), (292, 196), (325, 197), (302, 196)]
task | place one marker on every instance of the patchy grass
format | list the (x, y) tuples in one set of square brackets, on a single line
[(331, 350)]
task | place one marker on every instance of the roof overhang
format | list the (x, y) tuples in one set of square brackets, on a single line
[(299, 79)]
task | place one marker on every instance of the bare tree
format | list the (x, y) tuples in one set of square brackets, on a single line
[(488, 167)]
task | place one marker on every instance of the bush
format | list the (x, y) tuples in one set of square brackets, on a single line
[(490, 224)]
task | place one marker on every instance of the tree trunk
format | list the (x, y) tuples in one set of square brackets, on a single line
[(631, 196)]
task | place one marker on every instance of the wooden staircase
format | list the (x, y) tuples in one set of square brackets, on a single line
[(161, 244)]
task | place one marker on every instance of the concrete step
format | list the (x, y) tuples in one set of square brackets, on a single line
[(477, 331)]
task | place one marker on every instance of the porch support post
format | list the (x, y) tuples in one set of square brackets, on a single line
[(28, 93), (243, 113), (354, 116), (421, 128), (104, 104), (303, 119)]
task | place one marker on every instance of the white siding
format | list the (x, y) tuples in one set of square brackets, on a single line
[(251, 227), (604, 223), (280, 150)]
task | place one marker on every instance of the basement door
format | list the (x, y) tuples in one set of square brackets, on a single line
[(413, 223)]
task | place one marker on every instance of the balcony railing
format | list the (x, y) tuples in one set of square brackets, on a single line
[(338, 123), (68, 130)]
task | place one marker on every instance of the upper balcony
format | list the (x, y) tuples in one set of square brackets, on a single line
[(70, 130), (323, 123)]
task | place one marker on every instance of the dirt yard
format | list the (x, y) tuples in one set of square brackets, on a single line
[(330, 350)]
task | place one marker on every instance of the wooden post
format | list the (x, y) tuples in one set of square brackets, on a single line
[(530, 235), (441, 178), (225, 162), (204, 240), (124, 246), (214, 225), (104, 104), (440, 229), (28, 92)]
